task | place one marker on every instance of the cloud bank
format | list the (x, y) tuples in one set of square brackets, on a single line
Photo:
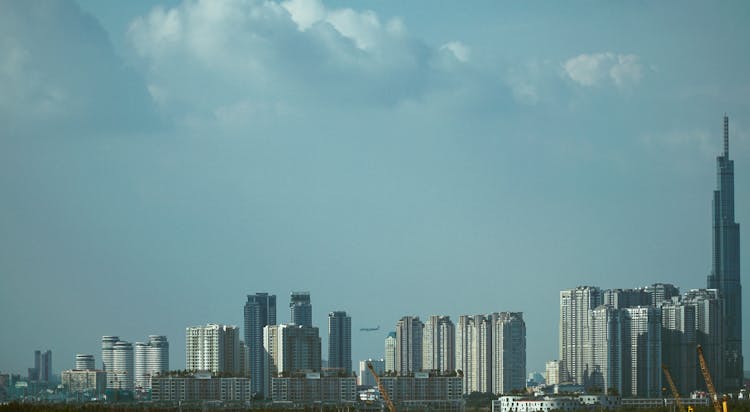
[(622, 70)]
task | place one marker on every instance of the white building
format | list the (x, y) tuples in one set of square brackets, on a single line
[(474, 352), (439, 344), (290, 348), (85, 362), (390, 352), (214, 348), (122, 372), (575, 331), (150, 359), (108, 347), (552, 375)]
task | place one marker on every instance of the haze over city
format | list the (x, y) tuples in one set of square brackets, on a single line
[(161, 161)]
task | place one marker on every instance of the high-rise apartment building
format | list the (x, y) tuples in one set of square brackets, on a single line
[(150, 359), (474, 352), (214, 348), (390, 352), (300, 309), (260, 311), (85, 362), (409, 345), (575, 331), (662, 292), (709, 332), (642, 351), (552, 372), (122, 372), (605, 357), (108, 348), (290, 348), (340, 341), (626, 298), (439, 344), (725, 274), (508, 352), (678, 340)]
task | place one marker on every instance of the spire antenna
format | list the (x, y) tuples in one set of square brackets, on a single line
[(726, 135)]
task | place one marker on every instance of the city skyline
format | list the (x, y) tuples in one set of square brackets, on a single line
[(389, 158)]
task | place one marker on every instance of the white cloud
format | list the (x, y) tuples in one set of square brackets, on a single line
[(460, 51), (624, 70)]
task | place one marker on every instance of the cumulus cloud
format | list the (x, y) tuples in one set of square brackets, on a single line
[(203, 57), (588, 70), (59, 73)]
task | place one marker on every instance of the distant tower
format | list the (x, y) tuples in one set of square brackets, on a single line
[(509, 352), (390, 352), (725, 275), (474, 352), (150, 358), (85, 362), (213, 347), (300, 309), (439, 344), (260, 311), (409, 345), (123, 372), (340, 341), (575, 331), (108, 355)]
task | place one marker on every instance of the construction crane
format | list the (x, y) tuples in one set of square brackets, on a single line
[(709, 382), (381, 388), (672, 386)]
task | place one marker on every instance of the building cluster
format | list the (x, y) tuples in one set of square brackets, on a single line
[(487, 351), (618, 339)]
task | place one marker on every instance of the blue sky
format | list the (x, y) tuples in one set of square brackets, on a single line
[(158, 162)]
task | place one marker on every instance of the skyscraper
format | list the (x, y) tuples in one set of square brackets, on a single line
[(108, 348), (641, 339), (725, 275), (150, 358), (122, 372), (300, 309), (678, 339), (85, 362), (575, 332), (45, 366), (340, 341), (260, 311), (508, 352), (474, 352), (439, 344), (290, 348), (213, 347), (390, 352), (409, 345)]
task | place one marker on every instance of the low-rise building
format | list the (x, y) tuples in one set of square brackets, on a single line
[(91, 381), (313, 388), (424, 390), (549, 403), (202, 386)]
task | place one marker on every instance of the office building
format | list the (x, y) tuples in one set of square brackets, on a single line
[(409, 345), (575, 331), (365, 376), (300, 309), (439, 344), (85, 362), (340, 341), (474, 352), (725, 273), (508, 352), (390, 352), (33, 373), (214, 348), (260, 311), (290, 348)]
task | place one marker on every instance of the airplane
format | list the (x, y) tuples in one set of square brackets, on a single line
[(369, 329)]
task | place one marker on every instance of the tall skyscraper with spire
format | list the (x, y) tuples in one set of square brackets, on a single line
[(725, 275)]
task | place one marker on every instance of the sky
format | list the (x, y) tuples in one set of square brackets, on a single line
[(160, 161)]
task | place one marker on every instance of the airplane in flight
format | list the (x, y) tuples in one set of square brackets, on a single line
[(369, 329)]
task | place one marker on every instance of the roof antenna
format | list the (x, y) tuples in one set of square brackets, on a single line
[(726, 136)]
